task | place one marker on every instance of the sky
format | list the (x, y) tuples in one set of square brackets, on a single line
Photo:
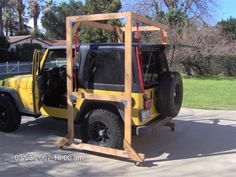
[(224, 9)]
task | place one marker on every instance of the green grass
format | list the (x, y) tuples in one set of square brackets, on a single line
[(209, 93)]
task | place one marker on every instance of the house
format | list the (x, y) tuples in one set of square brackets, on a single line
[(18, 40), (58, 42)]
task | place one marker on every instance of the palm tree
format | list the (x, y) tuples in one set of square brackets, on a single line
[(10, 18), (20, 9), (2, 5), (1, 22), (34, 8)]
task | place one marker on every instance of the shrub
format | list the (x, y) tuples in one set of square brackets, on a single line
[(25, 51)]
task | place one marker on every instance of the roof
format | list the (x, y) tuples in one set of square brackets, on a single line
[(15, 39), (58, 42)]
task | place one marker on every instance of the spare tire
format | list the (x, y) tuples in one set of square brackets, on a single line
[(169, 94)]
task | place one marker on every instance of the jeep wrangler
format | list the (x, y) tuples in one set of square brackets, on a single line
[(156, 91)]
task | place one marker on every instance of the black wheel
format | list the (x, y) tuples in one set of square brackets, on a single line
[(103, 128), (10, 118), (170, 94)]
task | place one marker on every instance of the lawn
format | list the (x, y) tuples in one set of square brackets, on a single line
[(209, 93)]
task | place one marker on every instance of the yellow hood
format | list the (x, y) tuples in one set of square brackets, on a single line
[(19, 82)]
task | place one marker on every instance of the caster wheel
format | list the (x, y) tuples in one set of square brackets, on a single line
[(61, 147), (172, 129), (138, 164)]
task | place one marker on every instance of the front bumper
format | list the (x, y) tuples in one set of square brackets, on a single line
[(152, 127)]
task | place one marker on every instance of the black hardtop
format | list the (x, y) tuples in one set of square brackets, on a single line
[(96, 45)]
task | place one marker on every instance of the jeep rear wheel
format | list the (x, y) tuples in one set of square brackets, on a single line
[(103, 128), (10, 118), (170, 94)]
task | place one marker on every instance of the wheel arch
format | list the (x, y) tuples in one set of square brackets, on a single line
[(14, 96), (90, 105)]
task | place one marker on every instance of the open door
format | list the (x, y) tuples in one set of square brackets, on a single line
[(37, 88)]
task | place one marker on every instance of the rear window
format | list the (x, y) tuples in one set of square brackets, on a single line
[(106, 66), (150, 66)]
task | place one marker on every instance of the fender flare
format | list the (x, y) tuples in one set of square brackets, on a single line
[(89, 105), (13, 94)]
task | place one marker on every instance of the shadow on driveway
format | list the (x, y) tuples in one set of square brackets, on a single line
[(194, 137)]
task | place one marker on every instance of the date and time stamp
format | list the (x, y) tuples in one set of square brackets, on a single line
[(48, 157)]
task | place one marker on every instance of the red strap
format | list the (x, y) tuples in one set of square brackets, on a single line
[(140, 76), (75, 53), (163, 37), (139, 60)]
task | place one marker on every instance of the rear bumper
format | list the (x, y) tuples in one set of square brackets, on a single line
[(152, 127)]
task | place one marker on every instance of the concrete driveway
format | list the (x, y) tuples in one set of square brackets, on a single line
[(203, 144)]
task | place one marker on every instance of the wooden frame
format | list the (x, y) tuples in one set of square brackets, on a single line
[(72, 25)]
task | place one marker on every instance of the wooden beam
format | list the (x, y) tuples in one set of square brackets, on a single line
[(107, 27), (101, 97), (147, 21), (100, 149), (132, 154), (128, 79), (119, 33), (69, 79), (99, 17), (75, 27), (144, 28)]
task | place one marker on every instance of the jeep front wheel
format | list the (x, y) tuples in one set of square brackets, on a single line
[(10, 118), (103, 128)]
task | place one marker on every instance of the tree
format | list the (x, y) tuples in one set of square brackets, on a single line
[(4, 45), (34, 9), (229, 27), (54, 19), (2, 5), (20, 8), (173, 11), (13, 20), (102, 6), (10, 18), (95, 7)]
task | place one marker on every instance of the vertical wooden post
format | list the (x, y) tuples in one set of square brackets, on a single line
[(69, 60), (128, 78)]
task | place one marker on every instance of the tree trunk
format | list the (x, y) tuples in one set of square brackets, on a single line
[(1, 22), (35, 24), (7, 31), (20, 15), (11, 29)]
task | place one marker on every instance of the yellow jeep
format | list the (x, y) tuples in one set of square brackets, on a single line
[(156, 92)]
